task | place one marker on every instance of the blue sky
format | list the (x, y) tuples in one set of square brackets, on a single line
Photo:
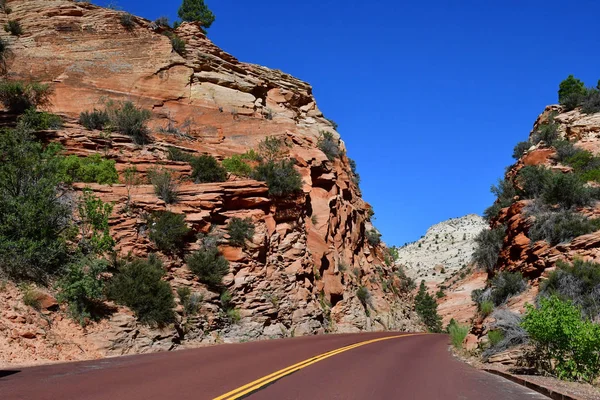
[(430, 96)]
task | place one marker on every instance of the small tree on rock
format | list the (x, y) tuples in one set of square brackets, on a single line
[(570, 91), (426, 307), (196, 10)]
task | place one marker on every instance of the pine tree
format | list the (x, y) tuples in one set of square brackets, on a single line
[(426, 307), (196, 10)]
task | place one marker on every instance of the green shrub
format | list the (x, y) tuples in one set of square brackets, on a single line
[(162, 22), (13, 27), (237, 165), (426, 307), (495, 337), (94, 120), (547, 132), (208, 265), (373, 237), (127, 21), (570, 92), (567, 191), (506, 285), (91, 169), (39, 121), (190, 301), (206, 169), (520, 149), (458, 333), (196, 10), (407, 284), (355, 174), (165, 186), (363, 295), (175, 154), (281, 177), (93, 224), (234, 315), (487, 247), (505, 193), (533, 179), (240, 230), (329, 145), (561, 227), (440, 294), (31, 296), (486, 308), (565, 149), (178, 44), (129, 120), (82, 288), (583, 160), (33, 217), (139, 286), (271, 148), (590, 103), (168, 231), (566, 345), (18, 96), (578, 282)]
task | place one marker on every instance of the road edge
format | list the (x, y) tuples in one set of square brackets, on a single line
[(531, 385)]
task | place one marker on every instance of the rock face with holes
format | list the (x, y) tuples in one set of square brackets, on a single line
[(300, 272)]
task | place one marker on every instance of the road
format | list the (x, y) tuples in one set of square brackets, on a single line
[(338, 367)]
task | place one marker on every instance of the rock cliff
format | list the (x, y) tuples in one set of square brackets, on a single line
[(300, 273)]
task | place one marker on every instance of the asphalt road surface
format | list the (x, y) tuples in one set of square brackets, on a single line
[(338, 367)]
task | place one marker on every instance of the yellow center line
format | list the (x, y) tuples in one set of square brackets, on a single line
[(261, 382)]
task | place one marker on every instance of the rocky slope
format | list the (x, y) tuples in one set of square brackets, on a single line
[(308, 256), (443, 250)]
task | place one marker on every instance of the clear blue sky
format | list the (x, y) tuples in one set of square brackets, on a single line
[(430, 96)]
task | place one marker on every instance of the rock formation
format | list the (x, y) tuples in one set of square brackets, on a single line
[(300, 273)]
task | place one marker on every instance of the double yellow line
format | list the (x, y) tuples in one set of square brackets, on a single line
[(259, 383)]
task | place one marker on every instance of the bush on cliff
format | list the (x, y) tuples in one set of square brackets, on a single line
[(91, 169), (329, 145), (39, 121), (505, 193), (206, 169), (546, 132), (561, 226), (168, 231), (139, 286), (506, 285), (34, 215), (566, 345), (165, 186), (507, 324), (487, 247), (208, 265), (19, 96), (567, 191), (532, 180), (458, 333), (590, 103), (127, 21), (520, 149), (129, 120), (373, 237), (281, 177), (13, 27), (578, 282), (426, 307), (95, 119), (196, 10), (570, 92), (240, 230)]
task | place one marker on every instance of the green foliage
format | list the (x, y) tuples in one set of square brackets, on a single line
[(440, 294), (546, 132), (196, 10), (190, 301), (486, 307), (570, 92), (590, 103), (177, 43), (234, 315), (33, 216), (565, 149), (238, 164), (506, 285), (18, 96), (373, 237), (127, 21), (363, 295), (175, 154), (30, 296), (240, 230), (426, 307), (567, 191), (91, 169), (329, 145), (487, 247), (168, 231), (533, 179), (129, 120), (561, 226), (165, 186), (355, 174), (208, 265), (505, 193), (458, 333), (96, 119), (578, 282), (566, 345), (93, 226), (82, 288), (495, 337), (139, 286), (13, 27), (206, 169), (39, 121), (281, 177), (407, 284), (271, 148), (520, 149)]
